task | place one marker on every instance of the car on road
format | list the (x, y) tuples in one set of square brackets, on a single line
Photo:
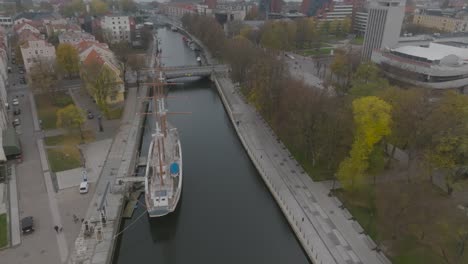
[(27, 225), (84, 187), (22, 81), (17, 111), (21, 72), (16, 122), (15, 102), (90, 115)]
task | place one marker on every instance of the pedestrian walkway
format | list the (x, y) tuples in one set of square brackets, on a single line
[(14, 210)]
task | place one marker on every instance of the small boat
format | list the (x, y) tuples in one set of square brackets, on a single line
[(199, 60), (173, 28)]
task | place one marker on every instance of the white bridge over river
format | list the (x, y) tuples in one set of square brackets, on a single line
[(192, 71)]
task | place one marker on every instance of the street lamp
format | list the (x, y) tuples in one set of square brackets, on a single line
[(100, 123)]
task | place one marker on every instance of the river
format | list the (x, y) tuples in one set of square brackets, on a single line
[(226, 213)]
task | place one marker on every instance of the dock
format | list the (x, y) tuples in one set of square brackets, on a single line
[(132, 204)]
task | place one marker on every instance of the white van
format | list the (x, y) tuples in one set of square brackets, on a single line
[(84, 187)]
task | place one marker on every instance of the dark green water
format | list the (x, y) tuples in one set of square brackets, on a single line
[(226, 213)]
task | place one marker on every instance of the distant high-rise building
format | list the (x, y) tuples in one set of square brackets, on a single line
[(312, 7), (270, 6), (383, 25)]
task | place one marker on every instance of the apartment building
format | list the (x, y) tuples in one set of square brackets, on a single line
[(34, 49), (116, 28), (74, 38), (442, 23)]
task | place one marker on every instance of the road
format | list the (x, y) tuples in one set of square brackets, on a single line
[(311, 70), (40, 246)]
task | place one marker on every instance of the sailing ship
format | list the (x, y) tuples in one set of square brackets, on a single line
[(163, 176)]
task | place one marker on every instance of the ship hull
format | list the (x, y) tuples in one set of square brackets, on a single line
[(154, 212)]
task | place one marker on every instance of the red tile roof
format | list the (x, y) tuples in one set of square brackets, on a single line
[(93, 57)]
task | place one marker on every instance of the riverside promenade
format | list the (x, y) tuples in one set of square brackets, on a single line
[(325, 229), (96, 240)]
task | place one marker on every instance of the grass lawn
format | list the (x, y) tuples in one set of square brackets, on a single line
[(314, 52), (115, 113), (411, 252), (3, 230), (69, 139), (361, 206), (358, 41), (47, 108), (66, 158)]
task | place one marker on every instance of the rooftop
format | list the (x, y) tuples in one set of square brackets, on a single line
[(435, 51)]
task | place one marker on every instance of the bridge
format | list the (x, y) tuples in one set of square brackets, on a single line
[(192, 71)]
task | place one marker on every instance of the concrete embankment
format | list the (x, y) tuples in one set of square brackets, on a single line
[(326, 231)]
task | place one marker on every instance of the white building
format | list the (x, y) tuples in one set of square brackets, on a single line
[(6, 21), (360, 22), (442, 65), (74, 38), (338, 11), (116, 28), (35, 49), (384, 25)]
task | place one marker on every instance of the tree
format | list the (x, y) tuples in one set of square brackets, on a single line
[(98, 7), (241, 55), (75, 7), (448, 124), (128, 6), (372, 118), (46, 6), (71, 117), (137, 62), (411, 109), (101, 83), (340, 68), (346, 25), (43, 77), (122, 51), (367, 80), (68, 59)]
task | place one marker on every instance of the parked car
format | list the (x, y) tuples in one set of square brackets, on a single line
[(17, 111), (22, 81), (27, 225), (84, 187), (15, 102), (90, 115), (16, 122), (21, 72)]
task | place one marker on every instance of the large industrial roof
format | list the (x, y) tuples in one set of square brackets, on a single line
[(434, 52)]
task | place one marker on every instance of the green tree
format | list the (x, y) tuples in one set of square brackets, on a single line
[(367, 80), (46, 6), (372, 119), (71, 117), (122, 51), (68, 59), (137, 62), (98, 7), (340, 68), (128, 6), (346, 25), (448, 124), (75, 7), (43, 77), (101, 83)]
